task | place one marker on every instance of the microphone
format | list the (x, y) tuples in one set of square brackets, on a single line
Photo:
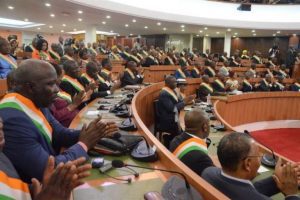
[(120, 164)]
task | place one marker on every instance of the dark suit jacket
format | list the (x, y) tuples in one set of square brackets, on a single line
[(263, 87), (28, 150), (148, 62), (96, 94), (246, 88), (178, 75), (127, 80), (203, 92), (217, 87), (295, 88), (166, 105), (237, 190), (194, 74), (195, 160), (208, 73)]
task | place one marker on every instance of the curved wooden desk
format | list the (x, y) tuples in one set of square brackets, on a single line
[(143, 112)]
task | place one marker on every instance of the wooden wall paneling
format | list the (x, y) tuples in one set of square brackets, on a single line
[(217, 45), (198, 43)]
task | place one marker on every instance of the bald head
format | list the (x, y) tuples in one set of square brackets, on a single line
[(205, 78), (196, 122), (170, 81)]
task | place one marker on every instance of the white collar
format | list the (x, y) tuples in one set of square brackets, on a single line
[(236, 179)]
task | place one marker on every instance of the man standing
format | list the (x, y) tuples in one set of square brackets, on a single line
[(31, 132)]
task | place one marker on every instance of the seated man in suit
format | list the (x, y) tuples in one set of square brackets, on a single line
[(132, 75), (210, 70), (256, 57), (169, 59), (265, 84), (278, 85), (12, 187), (114, 55), (69, 55), (169, 106), (246, 85), (223, 57), (151, 59), (240, 158), (296, 86), (26, 117), (191, 145), (219, 84), (197, 70), (182, 72), (205, 89)]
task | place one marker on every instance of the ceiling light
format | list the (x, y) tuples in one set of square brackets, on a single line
[(107, 17), (38, 28), (200, 31), (206, 35), (254, 34), (131, 34), (17, 23), (182, 30), (62, 31), (47, 4), (11, 7), (50, 26), (235, 33), (158, 23), (229, 30), (253, 31), (164, 28), (26, 20), (52, 15), (294, 34), (64, 25), (205, 28), (278, 32), (104, 22), (182, 26), (79, 19), (126, 25), (80, 12), (274, 34), (133, 20), (217, 32), (111, 31), (74, 29), (197, 35), (234, 36), (146, 27)]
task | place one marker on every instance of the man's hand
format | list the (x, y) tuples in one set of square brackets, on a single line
[(189, 99), (285, 177), (78, 98)]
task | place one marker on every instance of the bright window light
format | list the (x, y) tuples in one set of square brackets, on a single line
[(4, 22)]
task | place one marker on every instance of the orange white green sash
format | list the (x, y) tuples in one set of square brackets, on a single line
[(73, 82), (266, 83), (211, 71), (258, 59), (68, 57), (94, 51), (65, 96), (170, 60), (247, 83), (181, 73), (207, 87), (87, 77), (185, 61), (224, 58), (105, 71), (127, 54), (21, 103), (171, 92), (13, 188), (115, 56), (196, 70), (282, 73), (101, 80), (189, 145), (145, 53), (220, 83), (281, 87), (130, 73), (44, 55), (135, 58), (298, 85), (154, 59), (54, 55), (10, 60)]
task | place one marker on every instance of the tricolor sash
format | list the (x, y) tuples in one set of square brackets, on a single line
[(54, 55), (94, 51), (281, 87), (135, 58), (145, 53), (170, 60), (220, 83), (68, 57), (196, 70), (65, 96), (266, 83), (171, 92), (211, 71), (282, 73), (154, 59), (73, 82), (13, 188), (207, 87), (181, 73), (184, 60), (189, 145), (224, 58), (21, 103), (258, 59), (298, 85), (115, 56), (44, 55), (101, 80), (130, 73), (87, 77), (247, 83), (105, 71), (127, 54), (9, 60)]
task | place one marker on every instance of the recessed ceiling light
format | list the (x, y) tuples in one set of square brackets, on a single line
[(254, 34), (206, 35), (133, 20), (274, 35), (79, 19), (164, 28), (131, 34), (158, 23), (197, 35), (218, 32), (74, 29), (200, 31), (146, 27), (126, 25), (182, 26), (205, 28), (80, 12), (64, 25), (111, 31), (229, 30), (38, 28), (253, 31), (26, 20), (62, 31), (11, 7), (47, 4), (234, 36), (50, 26), (278, 32), (104, 22), (52, 15), (235, 33), (294, 34), (182, 30), (107, 17)]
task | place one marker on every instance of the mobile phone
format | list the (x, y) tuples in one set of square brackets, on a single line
[(97, 162)]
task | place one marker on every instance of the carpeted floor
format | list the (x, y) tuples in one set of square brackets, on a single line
[(284, 141)]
